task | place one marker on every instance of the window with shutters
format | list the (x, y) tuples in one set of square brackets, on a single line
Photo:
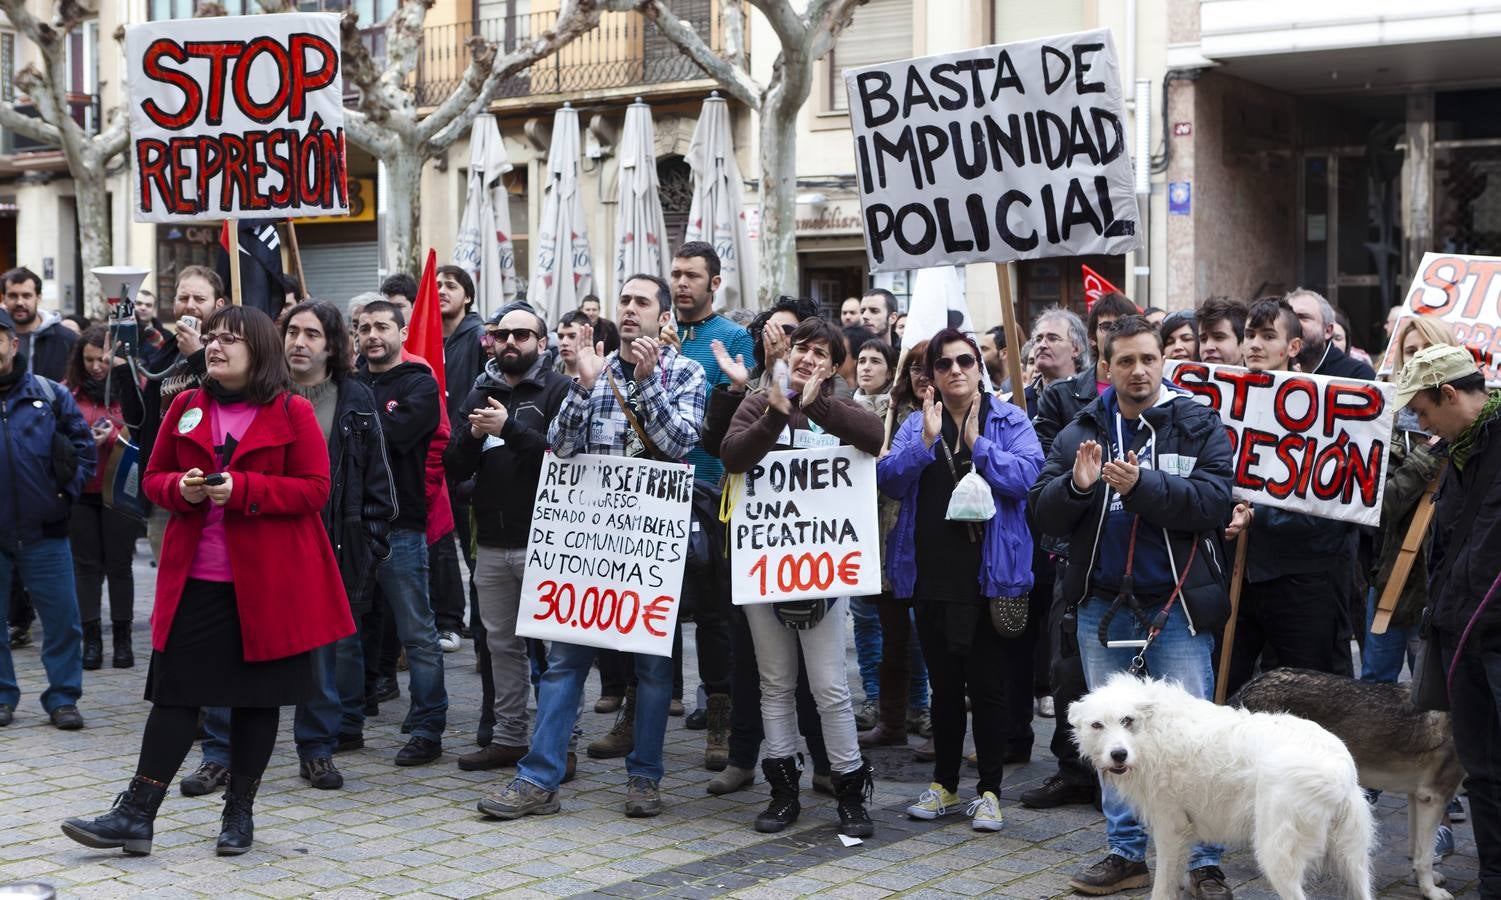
[(881, 31)]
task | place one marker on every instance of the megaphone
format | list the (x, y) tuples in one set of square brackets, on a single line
[(119, 282)]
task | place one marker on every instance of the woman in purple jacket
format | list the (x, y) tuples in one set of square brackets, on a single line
[(953, 570)]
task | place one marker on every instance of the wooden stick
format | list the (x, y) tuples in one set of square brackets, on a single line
[(1237, 579), (234, 262), (901, 359), (1012, 326), (296, 259), (1412, 542)]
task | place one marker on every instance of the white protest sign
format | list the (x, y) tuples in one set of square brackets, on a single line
[(805, 526), (1464, 291), (236, 117), (604, 561), (1307, 443), (1014, 151)]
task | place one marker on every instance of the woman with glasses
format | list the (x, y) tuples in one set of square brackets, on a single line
[(247, 585), (965, 575)]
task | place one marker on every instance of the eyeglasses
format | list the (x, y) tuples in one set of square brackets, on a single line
[(225, 338), (966, 361), (501, 335)]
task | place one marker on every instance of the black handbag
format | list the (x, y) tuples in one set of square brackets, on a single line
[(1430, 688)]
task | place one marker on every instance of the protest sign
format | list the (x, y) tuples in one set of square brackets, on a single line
[(804, 525), (237, 118), (1014, 151), (1465, 292), (1307, 443), (604, 561)]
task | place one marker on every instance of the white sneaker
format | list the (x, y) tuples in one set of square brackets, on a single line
[(985, 813), (1045, 707), (448, 641), (934, 802)]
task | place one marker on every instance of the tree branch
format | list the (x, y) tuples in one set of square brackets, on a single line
[(735, 80), (827, 20), (362, 71), (30, 126), (790, 28), (476, 76), (372, 138)]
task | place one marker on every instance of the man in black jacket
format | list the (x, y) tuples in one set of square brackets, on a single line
[(1319, 355), (1442, 386), (45, 343), (1140, 484), (501, 443)]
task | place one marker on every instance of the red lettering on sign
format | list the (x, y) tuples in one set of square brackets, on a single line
[(807, 572), (192, 95), (1248, 457), (1194, 377), (1241, 381), (1352, 403), (1310, 392), (292, 77)]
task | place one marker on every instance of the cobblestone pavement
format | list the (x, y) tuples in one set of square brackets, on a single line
[(415, 832)]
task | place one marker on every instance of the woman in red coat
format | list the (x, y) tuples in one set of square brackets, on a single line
[(247, 583)]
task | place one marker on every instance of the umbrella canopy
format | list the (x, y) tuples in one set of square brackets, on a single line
[(717, 214), (490, 262), (564, 271), (639, 228)]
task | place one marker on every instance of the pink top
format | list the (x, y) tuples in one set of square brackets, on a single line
[(211, 561)]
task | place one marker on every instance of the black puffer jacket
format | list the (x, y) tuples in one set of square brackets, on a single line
[(1462, 567), (1060, 402), (362, 494)]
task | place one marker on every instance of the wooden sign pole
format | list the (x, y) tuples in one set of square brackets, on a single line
[(1237, 579), (302, 291), (1012, 326), (234, 262), (1412, 542)]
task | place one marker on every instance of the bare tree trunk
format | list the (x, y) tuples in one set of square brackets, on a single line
[(778, 242), (404, 208), (91, 198)]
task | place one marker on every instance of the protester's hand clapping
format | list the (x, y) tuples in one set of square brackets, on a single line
[(1122, 474), (774, 343), (733, 369), (218, 494), (646, 352), (1240, 520), (589, 357), (670, 336), (932, 418), (814, 385), (972, 422), (190, 485), (776, 398), (1087, 465), (488, 420)]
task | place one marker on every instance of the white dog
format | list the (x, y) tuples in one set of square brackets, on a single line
[(1197, 772)]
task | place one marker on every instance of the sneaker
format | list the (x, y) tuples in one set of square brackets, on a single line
[(920, 722), (206, 779), (66, 718), (1456, 811), (867, 714), (642, 798), (321, 773), (419, 751), (1111, 874), (1443, 843), (1055, 791), (1208, 883), (934, 802), (520, 798), (985, 813), (1046, 708), (449, 641)]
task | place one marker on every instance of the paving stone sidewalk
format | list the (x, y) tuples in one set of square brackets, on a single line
[(415, 832)]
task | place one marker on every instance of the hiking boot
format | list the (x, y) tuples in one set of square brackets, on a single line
[(321, 773), (93, 646), (129, 823), (642, 798), (731, 779), (852, 790), (866, 714), (1056, 790), (492, 756), (783, 775), (934, 802), (520, 798), (920, 722), (985, 813), (883, 736), (237, 831), (66, 718), (1208, 883), (1111, 874), (621, 738), (606, 705), (419, 751), (122, 657), (717, 740), (206, 779)]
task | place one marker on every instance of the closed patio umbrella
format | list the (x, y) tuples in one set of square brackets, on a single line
[(564, 270), (484, 247), (717, 214)]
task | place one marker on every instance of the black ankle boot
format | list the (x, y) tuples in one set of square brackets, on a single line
[(124, 657), (93, 646), (784, 776), (128, 824), (853, 790), (238, 831)]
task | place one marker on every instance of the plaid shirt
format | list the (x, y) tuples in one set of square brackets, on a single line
[(672, 403)]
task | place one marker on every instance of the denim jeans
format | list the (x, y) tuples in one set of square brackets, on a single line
[(1475, 711), (867, 644), (1383, 655), (1175, 654), (402, 579), (558, 702), (46, 570)]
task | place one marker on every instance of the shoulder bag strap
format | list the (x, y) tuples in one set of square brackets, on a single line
[(630, 417)]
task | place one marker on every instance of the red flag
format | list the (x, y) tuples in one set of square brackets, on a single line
[(425, 331), (224, 236), (1095, 286)]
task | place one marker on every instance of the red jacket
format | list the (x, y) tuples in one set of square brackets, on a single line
[(93, 412), (287, 585)]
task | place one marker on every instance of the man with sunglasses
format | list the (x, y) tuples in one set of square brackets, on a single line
[(500, 443)]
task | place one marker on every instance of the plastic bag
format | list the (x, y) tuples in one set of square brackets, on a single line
[(971, 500)]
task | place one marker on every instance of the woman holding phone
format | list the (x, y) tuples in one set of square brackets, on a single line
[(242, 466)]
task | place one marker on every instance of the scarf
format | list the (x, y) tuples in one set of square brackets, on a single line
[(222, 394), (1459, 452), (93, 388)]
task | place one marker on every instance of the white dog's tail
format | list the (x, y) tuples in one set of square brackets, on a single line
[(1352, 835)]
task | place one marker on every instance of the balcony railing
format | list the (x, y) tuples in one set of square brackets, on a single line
[(626, 50), (83, 107)]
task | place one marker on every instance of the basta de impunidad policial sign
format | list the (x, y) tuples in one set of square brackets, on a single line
[(1013, 151)]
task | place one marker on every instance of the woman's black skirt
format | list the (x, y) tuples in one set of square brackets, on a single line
[(204, 663)]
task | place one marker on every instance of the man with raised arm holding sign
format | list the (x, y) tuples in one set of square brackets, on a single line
[(646, 400)]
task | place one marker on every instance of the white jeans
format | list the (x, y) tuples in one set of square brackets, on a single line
[(824, 653)]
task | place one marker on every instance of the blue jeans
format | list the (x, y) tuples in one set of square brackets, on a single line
[(1383, 655), (1175, 654), (402, 579), (46, 568), (559, 694), (867, 644)]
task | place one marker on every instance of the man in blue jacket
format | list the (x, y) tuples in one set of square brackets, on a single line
[(46, 455), (1140, 484)]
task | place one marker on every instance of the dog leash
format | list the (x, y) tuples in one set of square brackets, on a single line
[(1127, 597)]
